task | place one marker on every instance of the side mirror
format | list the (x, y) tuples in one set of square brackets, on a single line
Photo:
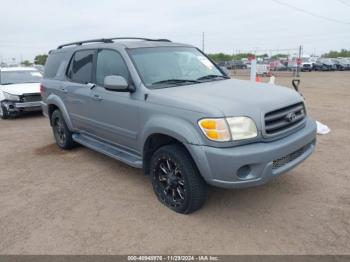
[(116, 83)]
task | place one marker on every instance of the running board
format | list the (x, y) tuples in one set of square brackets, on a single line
[(109, 150)]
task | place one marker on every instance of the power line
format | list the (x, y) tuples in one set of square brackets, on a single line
[(312, 14)]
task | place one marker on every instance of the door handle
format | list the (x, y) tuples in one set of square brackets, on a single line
[(96, 97), (64, 90)]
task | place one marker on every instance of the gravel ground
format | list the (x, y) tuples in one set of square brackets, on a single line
[(82, 202)]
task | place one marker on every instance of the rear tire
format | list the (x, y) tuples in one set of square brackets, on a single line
[(62, 134), (3, 112), (176, 180)]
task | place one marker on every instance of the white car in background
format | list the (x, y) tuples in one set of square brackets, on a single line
[(262, 70), (19, 91)]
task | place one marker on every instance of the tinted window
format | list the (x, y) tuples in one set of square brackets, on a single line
[(55, 64), (110, 63), (80, 67)]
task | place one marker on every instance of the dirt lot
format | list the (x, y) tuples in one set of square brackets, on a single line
[(82, 202)]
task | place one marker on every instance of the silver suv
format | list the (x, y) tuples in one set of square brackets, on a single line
[(167, 108)]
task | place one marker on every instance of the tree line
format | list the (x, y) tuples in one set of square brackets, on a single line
[(335, 54), (38, 60)]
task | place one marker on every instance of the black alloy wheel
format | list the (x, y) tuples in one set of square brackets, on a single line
[(176, 180), (62, 134), (169, 182)]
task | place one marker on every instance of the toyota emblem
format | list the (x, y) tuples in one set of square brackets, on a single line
[(291, 117)]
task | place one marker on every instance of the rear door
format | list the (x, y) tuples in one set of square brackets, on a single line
[(77, 88)]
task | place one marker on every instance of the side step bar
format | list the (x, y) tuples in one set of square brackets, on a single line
[(109, 150)]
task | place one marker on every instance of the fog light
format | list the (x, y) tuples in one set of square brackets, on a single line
[(243, 172)]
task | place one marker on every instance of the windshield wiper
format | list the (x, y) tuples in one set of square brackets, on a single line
[(176, 81), (4, 84), (212, 77)]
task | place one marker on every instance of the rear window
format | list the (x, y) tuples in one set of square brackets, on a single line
[(55, 64), (80, 68)]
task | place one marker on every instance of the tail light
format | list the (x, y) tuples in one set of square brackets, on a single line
[(42, 89)]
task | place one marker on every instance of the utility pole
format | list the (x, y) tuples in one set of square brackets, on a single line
[(202, 41), (299, 61)]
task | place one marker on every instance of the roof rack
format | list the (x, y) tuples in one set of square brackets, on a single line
[(110, 40)]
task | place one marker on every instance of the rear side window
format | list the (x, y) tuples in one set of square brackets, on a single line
[(80, 68), (110, 62), (55, 64)]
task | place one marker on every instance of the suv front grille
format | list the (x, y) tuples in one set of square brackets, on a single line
[(284, 119), (277, 163), (31, 98)]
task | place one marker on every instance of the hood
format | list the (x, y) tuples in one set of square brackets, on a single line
[(20, 89), (227, 98)]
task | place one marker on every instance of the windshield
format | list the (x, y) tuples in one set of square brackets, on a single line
[(18, 77), (161, 67)]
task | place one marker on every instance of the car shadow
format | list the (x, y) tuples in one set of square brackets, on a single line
[(25, 115), (29, 115)]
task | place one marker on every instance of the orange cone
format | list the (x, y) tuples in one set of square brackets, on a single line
[(258, 79)]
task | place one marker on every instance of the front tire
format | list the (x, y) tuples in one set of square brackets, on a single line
[(62, 134), (3, 112), (176, 180)]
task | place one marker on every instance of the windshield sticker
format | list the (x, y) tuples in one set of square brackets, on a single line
[(205, 62), (35, 74)]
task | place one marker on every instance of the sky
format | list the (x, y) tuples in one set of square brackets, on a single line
[(34, 27)]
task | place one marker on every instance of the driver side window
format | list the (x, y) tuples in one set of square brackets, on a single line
[(110, 62)]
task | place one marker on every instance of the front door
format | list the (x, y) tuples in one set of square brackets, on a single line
[(115, 114)]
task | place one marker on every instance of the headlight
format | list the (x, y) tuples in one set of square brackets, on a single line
[(215, 129), (242, 127), (11, 97), (227, 129)]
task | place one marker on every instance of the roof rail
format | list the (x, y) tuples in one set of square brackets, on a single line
[(139, 38), (101, 40), (110, 40)]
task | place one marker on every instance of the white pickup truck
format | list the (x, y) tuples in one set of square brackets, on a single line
[(19, 91)]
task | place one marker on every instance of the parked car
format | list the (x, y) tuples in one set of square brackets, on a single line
[(345, 61), (19, 91), (262, 70), (222, 64), (306, 66), (324, 64), (277, 66), (341, 64), (166, 108), (293, 66), (236, 65)]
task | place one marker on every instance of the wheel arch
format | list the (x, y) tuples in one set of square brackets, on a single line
[(155, 141), (54, 102)]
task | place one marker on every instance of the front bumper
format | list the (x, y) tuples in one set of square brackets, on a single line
[(14, 107), (254, 164)]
